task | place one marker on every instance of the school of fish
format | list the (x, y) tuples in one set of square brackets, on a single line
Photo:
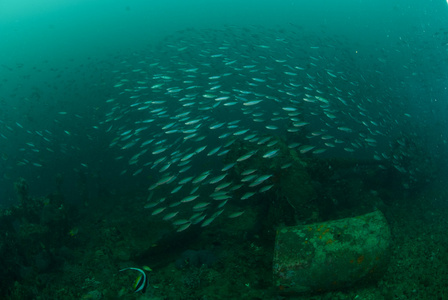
[(180, 107), (200, 115)]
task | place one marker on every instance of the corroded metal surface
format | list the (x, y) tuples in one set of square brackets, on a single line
[(331, 255)]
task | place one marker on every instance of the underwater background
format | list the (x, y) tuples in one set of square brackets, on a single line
[(179, 138)]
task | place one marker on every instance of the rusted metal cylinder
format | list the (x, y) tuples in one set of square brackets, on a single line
[(331, 255)]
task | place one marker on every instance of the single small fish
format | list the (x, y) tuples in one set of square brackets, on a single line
[(250, 103), (248, 178), (208, 221), (142, 281), (227, 167), (265, 188), (289, 109), (189, 198), (236, 214), (247, 195), (214, 151), (222, 186), (246, 156), (221, 197), (240, 132), (176, 189), (271, 153), (217, 178), (260, 180), (185, 180), (346, 129), (200, 206), (158, 211), (201, 177), (305, 148), (248, 172), (183, 227), (170, 216)]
